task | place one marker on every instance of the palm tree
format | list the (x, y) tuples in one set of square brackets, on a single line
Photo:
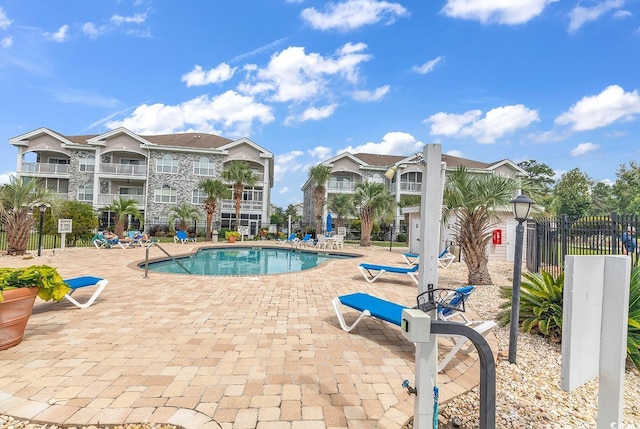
[(372, 201), (17, 199), (240, 175), (122, 209), (342, 206), (182, 213), (319, 175), (474, 199), (215, 190)]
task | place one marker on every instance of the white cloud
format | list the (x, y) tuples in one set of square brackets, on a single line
[(583, 149), (374, 95), (582, 15), (284, 190), (510, 12), (91, 30), (287, 163), (351, 14), (7, 42), (312, 114), (6, 177), (600, 110), (392, 143), (495, 124), (427, 67), (232, 112), (622, 14), (138, 18), (261, 49), (293, 75), (320, 152), (5, 22), (456, 153), (61, 35), (199, 77)]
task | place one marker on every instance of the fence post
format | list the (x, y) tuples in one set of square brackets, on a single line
[(564, 225), (614, 233)]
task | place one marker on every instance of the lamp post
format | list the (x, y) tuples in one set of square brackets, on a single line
[(521, 208), (43, 208), (391, 235)]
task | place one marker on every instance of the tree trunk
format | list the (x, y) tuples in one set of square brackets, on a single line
[(18, 228), (366, 223)]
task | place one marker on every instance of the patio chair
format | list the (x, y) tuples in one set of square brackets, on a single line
[(338, 241), (322, 242), (307, 240), (77, 283), (290, 239), (372, 306), (99, 241), (445, 258), (182, 237), (372, 272)]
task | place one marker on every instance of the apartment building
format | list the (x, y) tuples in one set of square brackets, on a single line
[(349, 169), (156, 171)]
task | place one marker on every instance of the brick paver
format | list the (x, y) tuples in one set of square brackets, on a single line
[(216, 352)]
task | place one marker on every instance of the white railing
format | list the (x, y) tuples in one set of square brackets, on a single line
[(341, 186), (230, 205), (124, 169), (107, 199), (410, 186), (45, 168)]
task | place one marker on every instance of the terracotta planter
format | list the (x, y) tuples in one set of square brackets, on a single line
[(231, 239), (15, 311)]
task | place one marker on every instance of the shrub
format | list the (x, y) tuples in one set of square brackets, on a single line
[(633, 332), (540, 305)]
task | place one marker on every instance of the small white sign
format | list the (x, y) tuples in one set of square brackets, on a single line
[(65, 226), (244, 230)]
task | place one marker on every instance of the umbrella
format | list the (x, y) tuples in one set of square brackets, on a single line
[(329, 227)]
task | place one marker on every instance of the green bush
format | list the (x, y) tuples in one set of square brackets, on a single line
[(541, 298)]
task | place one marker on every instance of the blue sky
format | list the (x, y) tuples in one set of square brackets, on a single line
[(554, 81)]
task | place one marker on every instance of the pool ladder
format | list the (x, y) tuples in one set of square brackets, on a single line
[(146, 261)]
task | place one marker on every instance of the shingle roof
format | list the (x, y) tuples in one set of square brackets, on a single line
[(388, 160), (194, 140)]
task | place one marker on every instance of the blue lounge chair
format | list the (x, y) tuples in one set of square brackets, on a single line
[(371, 306), (445, 258), (371, 272), (182, 237), (291, 239), (77, 283)]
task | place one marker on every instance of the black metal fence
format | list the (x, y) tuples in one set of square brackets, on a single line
[(550, 240)]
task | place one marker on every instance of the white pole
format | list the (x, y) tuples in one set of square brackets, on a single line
[(430, 214), (289, 227)]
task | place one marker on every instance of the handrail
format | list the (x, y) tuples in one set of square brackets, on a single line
[(146, 261)]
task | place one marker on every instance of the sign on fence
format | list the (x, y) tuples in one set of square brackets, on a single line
[(64, 226)]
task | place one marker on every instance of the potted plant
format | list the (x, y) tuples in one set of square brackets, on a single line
[(18, 290), (231, 236)]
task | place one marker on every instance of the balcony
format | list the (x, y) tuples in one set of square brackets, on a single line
[(108, 199), (410, 186), (123, 169), (230, 206), (45, 168)]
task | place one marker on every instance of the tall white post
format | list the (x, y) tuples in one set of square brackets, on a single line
[(430, 214)]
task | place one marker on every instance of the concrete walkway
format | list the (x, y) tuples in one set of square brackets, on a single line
[(216, 352)]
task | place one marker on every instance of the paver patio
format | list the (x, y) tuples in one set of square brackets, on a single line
[(211, 352)]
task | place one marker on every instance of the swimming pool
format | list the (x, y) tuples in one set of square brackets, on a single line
[(242, 261)]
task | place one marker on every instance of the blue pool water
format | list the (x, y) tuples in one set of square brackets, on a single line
[(244, 261)]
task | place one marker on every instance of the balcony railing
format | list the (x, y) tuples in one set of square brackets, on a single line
[(410, 186), (124, 169), (44, 168), (230, 205), (341, 186), (107, 199)]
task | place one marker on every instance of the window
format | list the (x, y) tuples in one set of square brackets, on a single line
[(167, 164), (165, 195), (88, 163), (198, 196), (85, 192), (204, 167)]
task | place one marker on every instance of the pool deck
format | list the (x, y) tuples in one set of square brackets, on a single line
[(217, 352)]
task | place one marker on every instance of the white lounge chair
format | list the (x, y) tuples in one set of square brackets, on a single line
[(372, 272), (77, 283)]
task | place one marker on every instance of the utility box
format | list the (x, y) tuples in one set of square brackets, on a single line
[(415, 325)]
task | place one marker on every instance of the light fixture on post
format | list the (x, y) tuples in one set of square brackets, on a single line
[(43, 208), (521, 208)]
